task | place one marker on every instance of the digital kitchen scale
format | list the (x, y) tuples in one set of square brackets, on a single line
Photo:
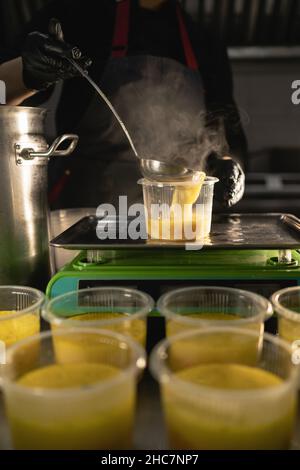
[(258, 252)]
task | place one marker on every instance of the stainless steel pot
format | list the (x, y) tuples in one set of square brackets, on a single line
[(24, 221)]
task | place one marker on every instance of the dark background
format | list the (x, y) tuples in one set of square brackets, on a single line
[(263, 37)]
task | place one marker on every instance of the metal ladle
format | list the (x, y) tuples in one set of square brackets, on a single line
[(150, 169), (166, 172)]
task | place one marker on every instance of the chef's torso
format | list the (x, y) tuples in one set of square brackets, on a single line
[(160, 100)]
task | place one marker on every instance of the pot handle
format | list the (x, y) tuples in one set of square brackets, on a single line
[(53, 150)]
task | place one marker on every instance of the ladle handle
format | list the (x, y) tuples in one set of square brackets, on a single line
[(53, 150)]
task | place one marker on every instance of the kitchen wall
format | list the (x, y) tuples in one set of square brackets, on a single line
[(263, 92)]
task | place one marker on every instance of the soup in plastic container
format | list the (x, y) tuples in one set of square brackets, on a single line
[(79, 402), (178, 211), (223, 401)]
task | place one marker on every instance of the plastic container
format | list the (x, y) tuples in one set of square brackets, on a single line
[(115, 308), (219, 401), (179, 211), (19, 314), (196, 307), (286, 304), (77, 403)]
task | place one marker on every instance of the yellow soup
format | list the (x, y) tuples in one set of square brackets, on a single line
[(289, 329), (73, 409), (188, 352), (174, 227), (181, 221), (20, 327), (187, 195), (202, 421), (68, 349), (175, 327), (136, 328)]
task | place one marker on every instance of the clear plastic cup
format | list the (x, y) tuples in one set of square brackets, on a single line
[(219, 401), (115, 308), (19, 313), (196, 307), (178, 211), (286, 303), (72, 403)]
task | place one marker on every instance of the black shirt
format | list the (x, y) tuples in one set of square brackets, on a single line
[(90, 25)]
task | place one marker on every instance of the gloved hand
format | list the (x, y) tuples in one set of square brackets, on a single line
[(44, 62), (230, 190)]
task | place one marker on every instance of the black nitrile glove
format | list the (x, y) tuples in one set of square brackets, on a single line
[(230, 190), (44, 62)]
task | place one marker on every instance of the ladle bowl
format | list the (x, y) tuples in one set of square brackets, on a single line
[(156, 170)]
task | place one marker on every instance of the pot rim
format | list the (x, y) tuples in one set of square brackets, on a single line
[(18, 109)]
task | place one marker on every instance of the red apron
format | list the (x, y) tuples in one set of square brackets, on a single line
[(121, 34), (162, 104)]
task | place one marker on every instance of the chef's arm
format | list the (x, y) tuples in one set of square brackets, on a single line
[(221, 106), (11, 73), (224, 120), (231, 187), (226, 161), (229, 160), (42, 64)]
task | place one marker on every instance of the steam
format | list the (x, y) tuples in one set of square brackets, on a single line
[(167, 119)]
